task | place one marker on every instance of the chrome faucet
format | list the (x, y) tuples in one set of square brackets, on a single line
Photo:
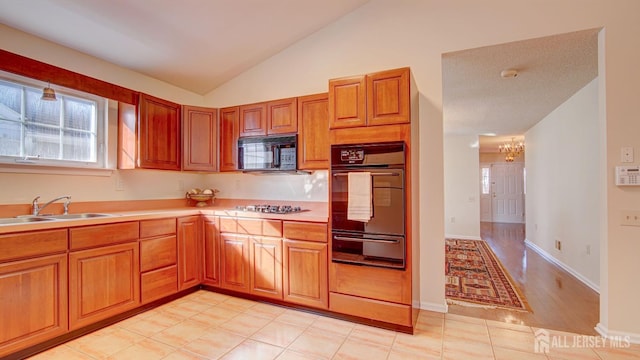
[(37, 208)]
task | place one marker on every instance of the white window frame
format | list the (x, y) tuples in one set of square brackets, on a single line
[(104, 152)]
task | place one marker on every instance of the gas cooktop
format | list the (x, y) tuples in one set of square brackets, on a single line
[(271, 209)]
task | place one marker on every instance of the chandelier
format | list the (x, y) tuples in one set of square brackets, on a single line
[(512, 150)]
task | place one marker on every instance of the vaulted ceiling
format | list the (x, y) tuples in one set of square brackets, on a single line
[(198, 45)]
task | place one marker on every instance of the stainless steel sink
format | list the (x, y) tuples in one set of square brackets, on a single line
[(77, 216), (22, 220)]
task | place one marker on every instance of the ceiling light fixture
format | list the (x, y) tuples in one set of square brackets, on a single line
[(48, 94), (509, 73), (512, 150)]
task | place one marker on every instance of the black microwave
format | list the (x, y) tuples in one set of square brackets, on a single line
[(267, 153)]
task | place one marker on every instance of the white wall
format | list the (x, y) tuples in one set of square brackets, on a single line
[(461, 187), (387, 34), (563, 199)]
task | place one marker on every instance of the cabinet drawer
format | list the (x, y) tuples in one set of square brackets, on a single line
[(305, 231), (371, 282), (157, 227), (246, 226), (159, 283), (371, 309), (260, 227), (33, 243), (100, 235), (158, 252)]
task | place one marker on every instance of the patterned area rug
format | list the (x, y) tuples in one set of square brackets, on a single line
[(476, 277)]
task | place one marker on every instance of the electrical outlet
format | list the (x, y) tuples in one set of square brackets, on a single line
[(558, 245), (588, 249), (630, 218)]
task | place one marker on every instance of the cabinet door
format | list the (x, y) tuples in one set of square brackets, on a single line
[(211, 250), (234, 262), (282, 116), (200, 138), (305, 273), (229, 133), (313, 132), (103, 282), (253, 119), (266, 267), (159, 134), (33, 301), (347, 102), (388, 99), (189, 252)]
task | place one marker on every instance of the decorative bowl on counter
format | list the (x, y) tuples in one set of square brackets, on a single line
[(202, 197)]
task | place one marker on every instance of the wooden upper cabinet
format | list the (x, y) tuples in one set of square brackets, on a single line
[(347, 102), (253, 119), (159, 134), (388, 97), (313, 132), (229, 133), (200, 138), (381, 98), (282, 116), (127, 136)]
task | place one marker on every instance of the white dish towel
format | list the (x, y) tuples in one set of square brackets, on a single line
[(359, 201)]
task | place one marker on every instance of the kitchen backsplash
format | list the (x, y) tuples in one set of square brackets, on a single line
[(312, 187), (20, 188)]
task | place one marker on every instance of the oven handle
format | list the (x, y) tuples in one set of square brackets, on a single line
[(372, 174), (344, 238)]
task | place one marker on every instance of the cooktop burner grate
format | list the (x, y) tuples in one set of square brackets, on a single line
[(271, 209)]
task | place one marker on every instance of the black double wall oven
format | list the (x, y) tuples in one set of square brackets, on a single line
[(380, 241)]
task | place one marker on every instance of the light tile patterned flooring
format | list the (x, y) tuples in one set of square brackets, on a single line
[(207, 325)]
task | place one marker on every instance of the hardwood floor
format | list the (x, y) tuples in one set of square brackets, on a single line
[(557, 299)]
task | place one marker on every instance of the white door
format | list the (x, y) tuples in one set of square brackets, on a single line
[(507, 182)]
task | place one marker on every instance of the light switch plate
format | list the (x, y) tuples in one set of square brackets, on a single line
[(627, 154)]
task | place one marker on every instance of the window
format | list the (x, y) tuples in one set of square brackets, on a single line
[(486, 180), (67, 132)]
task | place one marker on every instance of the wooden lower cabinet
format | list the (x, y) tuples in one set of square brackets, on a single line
[(156, 284), (103, 282), (234, 262), (305, 273), (158, 259), (33, 301), (211, 250), (266, 267), (393, 313), (189, 251)]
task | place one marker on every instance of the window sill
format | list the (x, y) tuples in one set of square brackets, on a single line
[(53, 170)]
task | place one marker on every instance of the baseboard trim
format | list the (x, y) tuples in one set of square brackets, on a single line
[(463, 237), (562, 265), (618, 336), (435, 307)]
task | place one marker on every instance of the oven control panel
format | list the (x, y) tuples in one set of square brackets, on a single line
[(352, 156)]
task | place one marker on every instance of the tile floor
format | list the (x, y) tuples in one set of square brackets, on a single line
[(207, 325)]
